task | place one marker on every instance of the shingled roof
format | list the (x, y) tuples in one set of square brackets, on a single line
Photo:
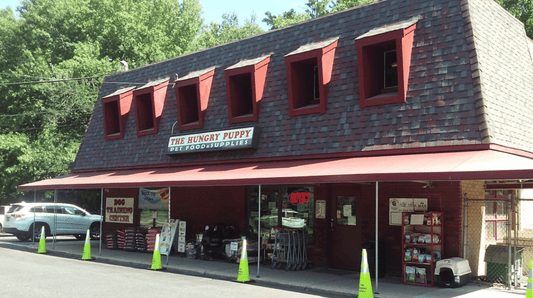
[(469, 83)]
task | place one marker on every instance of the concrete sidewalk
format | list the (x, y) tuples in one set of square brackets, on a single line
[(320, 281)]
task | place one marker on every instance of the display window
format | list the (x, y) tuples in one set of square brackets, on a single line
[(281, 207), (153, 218)]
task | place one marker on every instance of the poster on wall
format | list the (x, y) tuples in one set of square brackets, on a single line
[(320, 209), (168, 232), (399, 205), (119, 210), (154, 199)]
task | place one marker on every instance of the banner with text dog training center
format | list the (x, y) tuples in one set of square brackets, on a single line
[(119, 210)]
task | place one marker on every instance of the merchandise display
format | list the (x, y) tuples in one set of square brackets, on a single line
[(422, 246)]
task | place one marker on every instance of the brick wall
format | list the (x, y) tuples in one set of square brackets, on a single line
[(475, 248)]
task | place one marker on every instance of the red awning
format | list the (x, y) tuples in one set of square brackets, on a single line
[(464, 165)]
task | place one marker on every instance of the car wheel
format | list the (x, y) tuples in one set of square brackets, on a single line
[(37, 232), (80, 237), (95, 231), (22, 237)]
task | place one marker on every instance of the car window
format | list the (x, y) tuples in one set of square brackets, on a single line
[(72, 210), (36, 209), (50, 209), (15, 208)]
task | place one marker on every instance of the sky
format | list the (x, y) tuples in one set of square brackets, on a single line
[(213, 9)]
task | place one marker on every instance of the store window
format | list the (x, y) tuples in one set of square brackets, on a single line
[(309, 70), (496, 218), (192, 95), (116, 108), (383, 61), (281, 207), (245, 82), (149, 101)]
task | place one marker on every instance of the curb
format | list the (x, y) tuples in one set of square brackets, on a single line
[(138, 265)]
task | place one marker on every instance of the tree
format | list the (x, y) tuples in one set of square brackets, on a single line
[(317, 8), (522, 10), (229, 30), (345, 4), (285, 19), (52, 62)]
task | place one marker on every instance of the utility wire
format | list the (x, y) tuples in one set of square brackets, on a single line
[(50, 81), (46, 112)]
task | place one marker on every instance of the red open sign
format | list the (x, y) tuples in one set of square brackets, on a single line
[(299, 197)]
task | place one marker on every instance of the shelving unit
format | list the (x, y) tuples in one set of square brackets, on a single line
[(422, 246)]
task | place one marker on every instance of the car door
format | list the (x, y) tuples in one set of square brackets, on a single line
[(73, 220)]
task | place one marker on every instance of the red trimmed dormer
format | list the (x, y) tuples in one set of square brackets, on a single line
[(384, 59), (116, 108), (149, 101), (308, 76), (192, 96), (245, 82)]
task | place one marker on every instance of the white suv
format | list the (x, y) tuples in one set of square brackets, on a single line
[(63, 219)]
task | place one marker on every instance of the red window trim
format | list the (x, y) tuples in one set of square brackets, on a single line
[(157, 94), (203, 84), (258, 73), (124, 100), (404, 45), (325, 57)]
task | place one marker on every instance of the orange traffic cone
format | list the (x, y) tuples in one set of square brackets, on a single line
[(244, 274), (156, 258), (365, 285)]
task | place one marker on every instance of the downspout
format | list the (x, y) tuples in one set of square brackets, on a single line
[(259, 244), (55, 218), (377, 239), (465, 224), (101, 222), (34, 201)]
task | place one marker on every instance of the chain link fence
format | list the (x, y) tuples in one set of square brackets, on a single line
[(498, 238)]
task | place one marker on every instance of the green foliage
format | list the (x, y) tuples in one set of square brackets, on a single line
[(345, 4), (522, 10), (317, 8), (72, 44), (285, 19), (229, 30)]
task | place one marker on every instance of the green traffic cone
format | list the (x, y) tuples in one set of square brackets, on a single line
[(87, 248), (156, 259), (42, 242)]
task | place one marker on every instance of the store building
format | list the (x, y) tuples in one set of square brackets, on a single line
[(326, 121)]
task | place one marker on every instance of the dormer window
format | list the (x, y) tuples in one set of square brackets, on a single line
[(192, 95), (149, 101), (308, 76), (390, 70), (384, 58), (116, 108), (245, 82)]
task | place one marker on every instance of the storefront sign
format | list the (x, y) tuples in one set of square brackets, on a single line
[(119, 210), (168, 232), (154, 199), (399, 205), (299, 197), (213, 141)]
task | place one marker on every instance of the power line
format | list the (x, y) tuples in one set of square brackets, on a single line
[(50, 81), (45, 112)]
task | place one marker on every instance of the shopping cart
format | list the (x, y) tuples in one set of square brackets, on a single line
[(290, 250)]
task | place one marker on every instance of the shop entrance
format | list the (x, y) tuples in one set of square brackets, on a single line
[(345, 227)]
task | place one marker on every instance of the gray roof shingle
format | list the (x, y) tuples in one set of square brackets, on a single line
[(469, 83)]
